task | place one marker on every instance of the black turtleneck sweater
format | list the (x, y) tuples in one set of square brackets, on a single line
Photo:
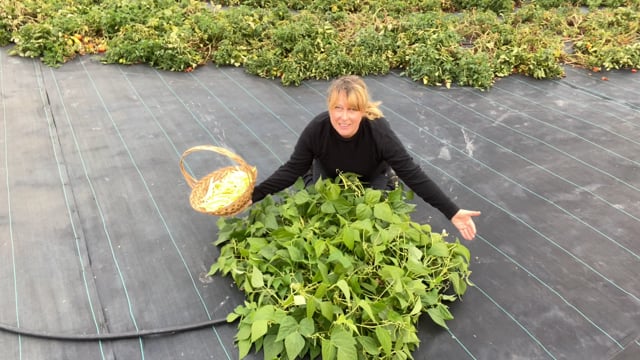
[(368, 153)]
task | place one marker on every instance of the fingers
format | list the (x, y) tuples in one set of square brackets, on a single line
[(468, 228), (468, 231), (464, 222), (473, 213)]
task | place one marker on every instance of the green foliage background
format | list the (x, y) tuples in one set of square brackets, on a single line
[(438, 42)]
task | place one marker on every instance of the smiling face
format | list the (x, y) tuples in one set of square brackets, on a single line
[(345, 116)]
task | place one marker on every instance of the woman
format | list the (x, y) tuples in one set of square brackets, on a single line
[(353, 136)]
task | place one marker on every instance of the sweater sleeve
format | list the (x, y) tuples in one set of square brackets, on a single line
[(298, 164), (396, 155)]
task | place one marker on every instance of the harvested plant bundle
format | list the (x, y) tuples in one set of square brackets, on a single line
[(337, 271)]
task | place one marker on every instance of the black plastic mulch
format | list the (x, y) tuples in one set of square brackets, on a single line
[(97, 235)]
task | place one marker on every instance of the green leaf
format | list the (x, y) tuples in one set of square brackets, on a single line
[(324, 271), (307, 327), (288, 326), (301, 197), (367, 309), (345, 289), (417, 308), (384, 338), (321, 290), (372, 196), (439, 249), (282, 234), (264, 313), (255, 244), (459, 285), (319, 247), (342, 339), (326, 309), (295, 253), (244, 346), (415, 253), (312, 306), (354, 286), (327, 208), (342, 206), (430, 298), (231, 317), (294, 343), (436, 317), (348, 237), (339, 257), (349, 353), (328, 350), (416, 287), (391, 273), (410, 337), (369, 345), (272, 347), (332, 191), (365, 225), (460, 249), (258, 329), (244, 331), (416, 267), (257, 278), (363, 212), (383, 212), (268, 252), (444, 311), (215, 267), (347, 322), (334, 254), (270, 222)]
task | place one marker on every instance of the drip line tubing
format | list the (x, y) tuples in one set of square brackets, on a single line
[(111, 336)]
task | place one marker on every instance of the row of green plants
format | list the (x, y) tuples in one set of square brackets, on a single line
[(438, 42), (337, 271)]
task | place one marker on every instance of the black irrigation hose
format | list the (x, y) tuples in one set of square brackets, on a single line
[(111, 337)]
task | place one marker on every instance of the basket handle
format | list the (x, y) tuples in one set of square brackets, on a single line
[(233, 156)]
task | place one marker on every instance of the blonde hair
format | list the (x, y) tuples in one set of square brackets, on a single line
[(357, 95)]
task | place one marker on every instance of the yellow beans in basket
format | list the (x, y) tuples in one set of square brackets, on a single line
[(225, 191)]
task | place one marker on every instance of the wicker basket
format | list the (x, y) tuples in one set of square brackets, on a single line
[(199, 187)]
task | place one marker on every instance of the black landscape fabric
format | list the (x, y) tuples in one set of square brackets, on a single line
[(97, 234)]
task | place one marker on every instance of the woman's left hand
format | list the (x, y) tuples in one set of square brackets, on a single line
[(463, 221)]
